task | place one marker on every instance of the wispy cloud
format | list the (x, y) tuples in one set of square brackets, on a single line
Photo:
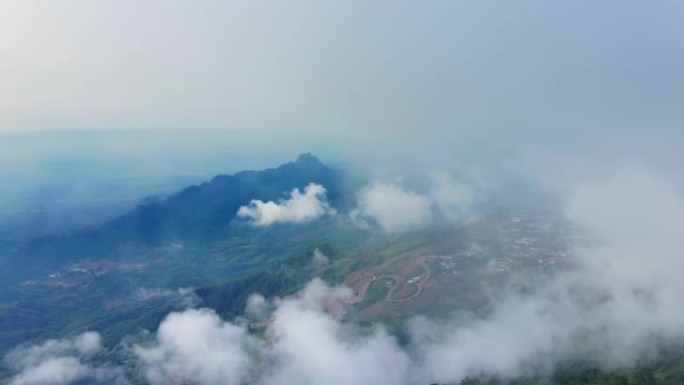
[(396, 208), (393, 207), (184, 296)]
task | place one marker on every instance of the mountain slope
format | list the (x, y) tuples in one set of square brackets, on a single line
[(196, 214)]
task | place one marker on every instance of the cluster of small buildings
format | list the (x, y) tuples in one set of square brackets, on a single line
[(539, 239)]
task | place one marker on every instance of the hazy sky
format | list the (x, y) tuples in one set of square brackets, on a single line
[(523, 72), (557, 88), (577, 89)]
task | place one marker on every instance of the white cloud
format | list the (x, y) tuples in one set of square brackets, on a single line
[(197, 346), (306, 344), (319, 257), (640, 217), (312, 346), (257, 307), (393, 207), (59, 362), (300, 207), (454, 199), (82, 344), (53, 371), (608, 308)]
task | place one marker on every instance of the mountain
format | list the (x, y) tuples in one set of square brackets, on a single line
[(130, 273), (198, 213)]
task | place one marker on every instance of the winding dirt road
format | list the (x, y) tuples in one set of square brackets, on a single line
[(361, 294), (420, 283), (362, 288)]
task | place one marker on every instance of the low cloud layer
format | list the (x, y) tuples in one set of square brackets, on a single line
[(303, 206)]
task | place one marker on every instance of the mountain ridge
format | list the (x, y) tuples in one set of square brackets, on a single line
[(196, 213)]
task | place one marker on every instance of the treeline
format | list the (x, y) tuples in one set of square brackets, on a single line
[(283, 278), (665, 368)]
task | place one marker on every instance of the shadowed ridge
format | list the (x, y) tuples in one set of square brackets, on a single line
[(197, 213)]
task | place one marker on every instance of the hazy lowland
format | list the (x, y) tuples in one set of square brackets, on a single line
[(307, 192)]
